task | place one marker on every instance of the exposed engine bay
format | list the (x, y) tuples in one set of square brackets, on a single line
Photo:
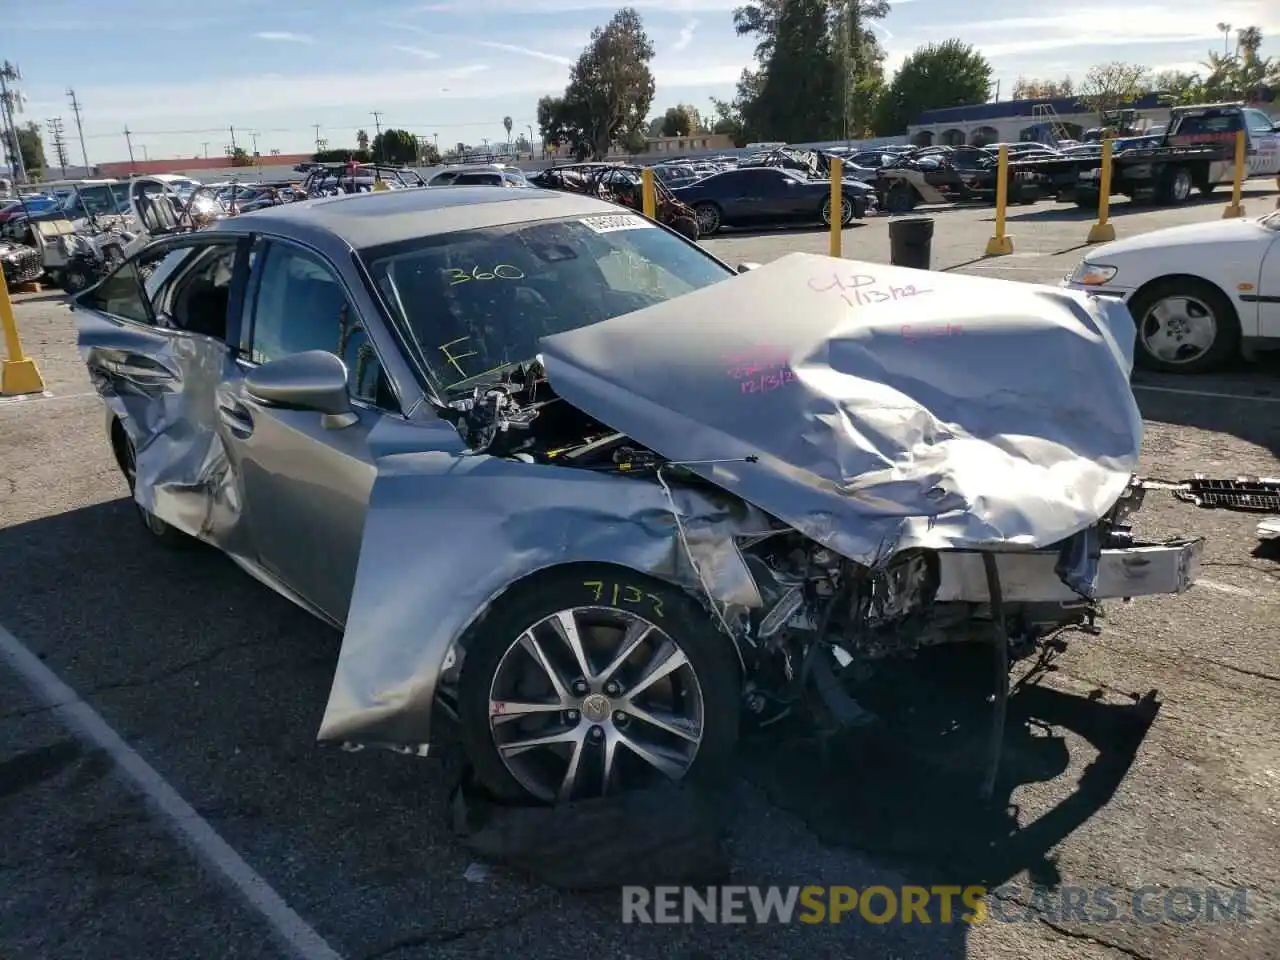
[(825, 621), (522, 417)]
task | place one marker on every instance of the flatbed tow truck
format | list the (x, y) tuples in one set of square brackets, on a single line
[(1197, 153)]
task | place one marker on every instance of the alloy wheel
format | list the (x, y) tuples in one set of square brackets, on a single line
[(594, 700), (1179, 329)]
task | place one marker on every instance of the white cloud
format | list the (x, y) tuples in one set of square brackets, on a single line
[(417, 52), (526, 52), (686, 36), (282, 36), (571, 6)]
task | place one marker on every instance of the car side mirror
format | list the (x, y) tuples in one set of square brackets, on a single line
[(313, 380), (747, 266)]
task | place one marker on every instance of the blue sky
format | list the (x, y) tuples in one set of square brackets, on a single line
[(181, 74)]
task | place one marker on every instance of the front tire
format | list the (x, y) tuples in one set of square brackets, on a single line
[(1184, 325), (593, 680)]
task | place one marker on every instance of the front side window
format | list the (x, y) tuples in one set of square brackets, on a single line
[(301, 305), (126, 293), (472, 302)]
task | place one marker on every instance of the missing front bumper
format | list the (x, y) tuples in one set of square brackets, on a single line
[(1142, 570)]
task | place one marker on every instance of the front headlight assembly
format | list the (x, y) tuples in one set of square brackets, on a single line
[(1092, 274)]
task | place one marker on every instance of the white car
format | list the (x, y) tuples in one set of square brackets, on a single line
[(1200, 294)]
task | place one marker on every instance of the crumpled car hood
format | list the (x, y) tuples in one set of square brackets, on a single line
[(876, 408)]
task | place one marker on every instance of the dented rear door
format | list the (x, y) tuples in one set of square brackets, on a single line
[(154, 336)]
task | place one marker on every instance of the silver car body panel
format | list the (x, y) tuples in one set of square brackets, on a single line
[(393, 529)]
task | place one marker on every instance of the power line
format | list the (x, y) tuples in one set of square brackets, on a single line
[(496, 122)]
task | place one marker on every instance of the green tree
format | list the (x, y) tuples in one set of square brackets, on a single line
[(240, 158), (937, 75), (340, 156), (395, 146), (681, 120), (845, 64), (1178, 87), (1241, 75), (31, 145), (1036, 89), (553, 122), (610, 89), (797, 98), (362, 140), (1109, 86)]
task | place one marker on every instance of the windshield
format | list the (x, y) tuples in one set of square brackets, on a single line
[(472, 302), (99, 200)]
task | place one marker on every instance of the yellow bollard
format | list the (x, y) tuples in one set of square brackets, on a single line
[(837, 209), (1103, 231), (648, 198), (18, 374), (1235, 208), (1001, 244)]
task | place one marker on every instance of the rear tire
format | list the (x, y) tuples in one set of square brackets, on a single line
[(709, 221), (901, 198), (500, 672), (1174, 186), (126, 459)]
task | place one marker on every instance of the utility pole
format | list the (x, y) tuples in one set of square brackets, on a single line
[(233, 140), (204, 145), (75, 108), (316, 128), (377, 140), (254, 136), (59, 144), (11, 101), (128, 142)]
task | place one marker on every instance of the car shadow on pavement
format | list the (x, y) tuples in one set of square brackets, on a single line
[(221, 685), (912, 794)]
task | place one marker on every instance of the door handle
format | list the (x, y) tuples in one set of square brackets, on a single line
[(236, 417)]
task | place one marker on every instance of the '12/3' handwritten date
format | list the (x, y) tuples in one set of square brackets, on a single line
[(862, 290), (761, 369)]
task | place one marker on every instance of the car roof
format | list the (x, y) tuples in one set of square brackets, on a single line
[(372, 219)]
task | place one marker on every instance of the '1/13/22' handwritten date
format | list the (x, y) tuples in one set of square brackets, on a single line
[(862, 289)]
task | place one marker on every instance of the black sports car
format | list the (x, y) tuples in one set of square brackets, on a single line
[(770, 196)]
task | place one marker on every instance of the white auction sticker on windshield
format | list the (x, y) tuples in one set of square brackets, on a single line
[(611, 222)]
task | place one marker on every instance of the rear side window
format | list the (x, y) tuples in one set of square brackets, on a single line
[(1215, 127)]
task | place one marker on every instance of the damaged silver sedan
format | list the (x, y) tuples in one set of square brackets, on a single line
[(565, 478)]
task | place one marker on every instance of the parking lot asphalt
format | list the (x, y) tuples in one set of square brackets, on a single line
[(219, 685)]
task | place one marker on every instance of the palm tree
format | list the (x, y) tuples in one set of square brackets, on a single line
[(1225, 30), (506, 125), (1248, 42), (362, 140)]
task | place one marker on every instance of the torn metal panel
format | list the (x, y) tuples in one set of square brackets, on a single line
[(446, 533), (163, 386), (889, 408)]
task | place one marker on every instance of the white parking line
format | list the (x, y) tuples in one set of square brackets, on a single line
[(1205, 393), (295, 934), (38, 397)]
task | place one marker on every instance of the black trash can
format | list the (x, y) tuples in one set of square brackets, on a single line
[(911, 242)]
